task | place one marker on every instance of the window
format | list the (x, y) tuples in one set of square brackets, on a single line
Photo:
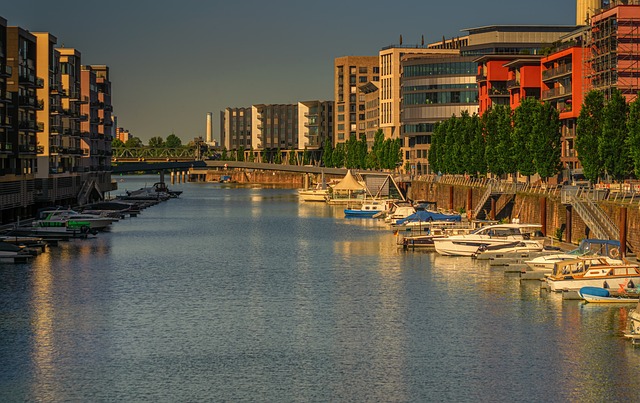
[(363, 79), (362, 70), (340, 108)]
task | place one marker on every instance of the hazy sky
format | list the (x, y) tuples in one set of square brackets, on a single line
[(173, 61)]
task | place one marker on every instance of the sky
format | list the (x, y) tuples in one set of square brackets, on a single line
[(171, 62)]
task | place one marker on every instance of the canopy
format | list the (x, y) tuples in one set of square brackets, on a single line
[(349, 183), (425, 216)]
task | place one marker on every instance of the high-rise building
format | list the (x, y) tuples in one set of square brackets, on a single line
[(585, 9), (274, 126), (351, 72), (209, 128), (315, 124)]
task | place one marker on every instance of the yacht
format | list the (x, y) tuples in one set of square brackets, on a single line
[(487, 236), (593, 271), (95, 222)]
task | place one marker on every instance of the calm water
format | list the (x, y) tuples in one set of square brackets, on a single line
[(245, 294)]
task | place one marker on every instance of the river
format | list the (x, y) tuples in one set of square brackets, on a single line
[(235, 293)]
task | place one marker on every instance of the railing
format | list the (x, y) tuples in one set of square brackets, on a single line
[(482, 202), (558, 71), (556, 92)]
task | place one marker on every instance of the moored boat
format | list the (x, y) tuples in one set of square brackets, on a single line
[(599, 247), (604, 296), (488, 236), (593, 271), (368, 209)]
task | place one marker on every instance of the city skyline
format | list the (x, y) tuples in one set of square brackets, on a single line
[(171, 65)]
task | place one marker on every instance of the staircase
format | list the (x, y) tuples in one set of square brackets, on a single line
[(493, 189), (85, 191), (591, 218)]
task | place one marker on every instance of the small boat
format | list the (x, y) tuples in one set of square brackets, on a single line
[(633, 325), (602, 295), (95, 222), (368, 209), (316, 194), (594, 271), (488, 236), (399, 212), (523, 248), (600, 247), (14, 252), (162, 187), (113, 208)]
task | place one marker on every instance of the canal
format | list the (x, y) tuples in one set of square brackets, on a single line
[(233, 293)]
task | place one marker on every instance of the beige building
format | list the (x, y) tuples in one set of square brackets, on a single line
[(585, 9), (235, 128), (371, 110), (351, 72), (315, 124), (390, 83)]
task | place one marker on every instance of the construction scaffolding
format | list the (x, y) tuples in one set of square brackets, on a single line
[(611, 52)]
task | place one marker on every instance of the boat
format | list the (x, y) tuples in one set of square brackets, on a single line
[(95, 222), (594, 271), (112, 208), (487, 236), (162, 188), (517, 248), (589, 246), (427, 219), (368, 209), (604, 296), (315, 194), (633, 325), (14, 252), (399, 211)]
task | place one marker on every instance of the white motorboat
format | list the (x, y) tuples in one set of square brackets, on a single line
[(593, 271), (601, 247), (633, 323), (504, 250), (488, 236), (399, 212)]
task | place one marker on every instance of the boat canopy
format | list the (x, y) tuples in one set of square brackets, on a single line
[(425, 215)]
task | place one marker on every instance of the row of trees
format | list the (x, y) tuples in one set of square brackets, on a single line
[(384, 154), (526, 140), (608, 136), (172, 141)]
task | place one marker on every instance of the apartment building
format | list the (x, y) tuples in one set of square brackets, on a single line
[(562, 87), (315, 125), (371, 110), (235, 128), (350, 72), (274, 126), (501, 47), (19, 151), (434, 88)]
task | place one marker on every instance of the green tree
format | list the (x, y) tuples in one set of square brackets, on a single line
[(306, 157), (116, 143), (633, 138), (251, 157), (436, 150), (327, 154), (292, 156), (614, 137), (477, 162), (156, 142), (351, 152), (546, 141), (173, 141), (224, 156), (588, 133), (338, 155), (277, 159), (377, 150), (497, 131), (363, 149), (524, 119), (133, 142)]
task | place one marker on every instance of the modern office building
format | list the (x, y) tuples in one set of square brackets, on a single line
[(390, 83), (434, 88), (350, 72), (371, 110), (235, 128)]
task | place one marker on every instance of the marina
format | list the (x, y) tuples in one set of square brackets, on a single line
[(242, 291)]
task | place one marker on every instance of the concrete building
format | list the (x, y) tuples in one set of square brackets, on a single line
[(19, 149), (235, 128), (434, 88), (274, 126), (315, 125), (350, 72), (371, 110), (585, 9)]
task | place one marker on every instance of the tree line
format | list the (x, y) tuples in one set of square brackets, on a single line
[(501, 141), (172, 141), (527, 140)]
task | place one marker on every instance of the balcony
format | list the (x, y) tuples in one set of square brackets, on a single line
[(550, 74), (513, 84), (498, 92), (6, 97), (27, 102), (559, 92), (39, 82), (27, 125), (481, 77), (40, 126), (27, 148), (6, 147), (5, 70), (5, 121)]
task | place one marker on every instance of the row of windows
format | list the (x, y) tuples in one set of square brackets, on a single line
[(440, 69), (452, 97), (470, 86)]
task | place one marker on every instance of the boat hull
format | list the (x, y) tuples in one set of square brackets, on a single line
[(611, 282)]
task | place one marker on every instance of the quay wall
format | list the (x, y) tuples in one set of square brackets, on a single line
[(528, 207)]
